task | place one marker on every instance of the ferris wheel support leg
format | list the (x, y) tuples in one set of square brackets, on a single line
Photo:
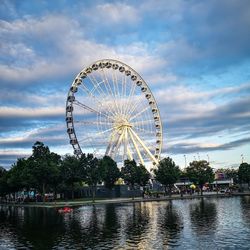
[(143, 145), (117, 145), (125, 142), (136, 147), (109, 147)]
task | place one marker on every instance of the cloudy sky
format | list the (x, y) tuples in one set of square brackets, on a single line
[(195, 56)]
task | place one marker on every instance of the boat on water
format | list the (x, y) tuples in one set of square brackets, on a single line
[(65, 210)]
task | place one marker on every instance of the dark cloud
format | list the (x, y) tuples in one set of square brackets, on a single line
[(228, 117), (187, 148)]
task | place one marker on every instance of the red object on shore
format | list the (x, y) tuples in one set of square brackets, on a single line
[(65, 210)]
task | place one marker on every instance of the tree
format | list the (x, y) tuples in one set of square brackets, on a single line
[(91, 172), (167, 173), (110, 173), (200, 172), (244, 173), (134, 174), (3, 181), (71, 172), (45, 166), (143, 175)]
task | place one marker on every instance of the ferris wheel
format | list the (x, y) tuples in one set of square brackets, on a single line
[(110, 110)]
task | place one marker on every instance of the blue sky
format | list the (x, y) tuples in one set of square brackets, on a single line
[(195, 56)]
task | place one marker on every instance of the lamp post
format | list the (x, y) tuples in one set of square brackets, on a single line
[(208, 158), (242, 158), (185, 160), (198, 156)]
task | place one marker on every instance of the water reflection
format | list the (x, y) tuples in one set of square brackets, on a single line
[(30, 226), (170, 224), (245, 206), (203, 216), (190, 224)]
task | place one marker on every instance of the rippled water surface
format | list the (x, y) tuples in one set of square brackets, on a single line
[(211, 223)]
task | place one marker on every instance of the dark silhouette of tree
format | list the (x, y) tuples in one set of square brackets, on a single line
[(134, 174), (200, 173), (71, 172), (244, 173), (3, 181), (91, 172), (110, 173), (44, 166), (167, 173)]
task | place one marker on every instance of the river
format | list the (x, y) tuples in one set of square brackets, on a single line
[(209, 223)]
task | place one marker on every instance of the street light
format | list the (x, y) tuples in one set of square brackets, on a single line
[(185, 160), (208, 158), (198, 156), (242, 158)]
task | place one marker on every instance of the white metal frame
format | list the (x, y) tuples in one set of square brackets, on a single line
[(126, 115)]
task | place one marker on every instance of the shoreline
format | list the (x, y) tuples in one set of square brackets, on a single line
[(77, 203)]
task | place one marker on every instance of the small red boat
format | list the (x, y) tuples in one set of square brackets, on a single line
[(65, 210)]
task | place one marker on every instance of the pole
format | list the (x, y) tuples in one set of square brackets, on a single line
[(185, 160)]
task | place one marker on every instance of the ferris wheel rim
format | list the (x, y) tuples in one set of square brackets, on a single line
[(70, 118)]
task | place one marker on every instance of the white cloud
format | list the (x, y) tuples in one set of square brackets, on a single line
[(71, 51), (31, 112), (114, 13)]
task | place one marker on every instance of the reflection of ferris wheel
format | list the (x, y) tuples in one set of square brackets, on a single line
[(110, 110)]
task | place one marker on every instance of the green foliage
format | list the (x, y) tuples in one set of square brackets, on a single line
[(91, 171), (143, 175), (71, 172), (20, 176), (200, 172), (45, 166), (244, 172), (110, 173), (3, 181), (167, 173), (134, 174)]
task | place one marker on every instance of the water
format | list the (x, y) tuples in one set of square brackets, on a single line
[(211, 223)]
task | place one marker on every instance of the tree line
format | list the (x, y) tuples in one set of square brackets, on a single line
[(46, 171)]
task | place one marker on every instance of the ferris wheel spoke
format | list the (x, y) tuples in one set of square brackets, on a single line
[(97, 87), (124, 82), (144, 130), (142, 122), (129, 102), (84, 106), (106, 97), (97, 134), (112, 92), (86, 90), (93, 122), (76, 102), (143, 145), (114, 80), (135, 105), (141, 112)]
